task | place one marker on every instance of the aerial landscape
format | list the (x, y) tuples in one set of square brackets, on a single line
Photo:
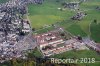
[(49, 32)]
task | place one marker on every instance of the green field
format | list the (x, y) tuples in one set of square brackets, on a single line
[(79, 54), (48, 13), (95, 32)]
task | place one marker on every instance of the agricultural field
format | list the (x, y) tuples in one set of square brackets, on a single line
[(48, 13), (79, 54), (95, 31)]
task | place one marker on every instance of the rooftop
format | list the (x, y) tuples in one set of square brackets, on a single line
[(47, 37)]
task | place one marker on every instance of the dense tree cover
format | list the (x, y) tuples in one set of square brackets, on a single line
[(3, 1)]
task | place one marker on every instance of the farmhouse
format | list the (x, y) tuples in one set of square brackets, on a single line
[(79, 16), (72, 5)]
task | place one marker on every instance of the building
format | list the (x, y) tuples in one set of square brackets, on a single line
[(48, 41), (2, 15), (72, 5), (79, 16), (51, 43)]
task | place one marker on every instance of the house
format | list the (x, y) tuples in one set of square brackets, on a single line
[(79, 16), (2, 15), (72, 5)]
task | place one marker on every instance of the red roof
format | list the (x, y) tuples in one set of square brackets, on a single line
[(47, 37)]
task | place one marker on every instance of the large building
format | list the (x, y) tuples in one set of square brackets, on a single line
[(48, 41), (52, 42)]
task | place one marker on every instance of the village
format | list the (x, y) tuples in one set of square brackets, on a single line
[(14, 30), (17, 37)]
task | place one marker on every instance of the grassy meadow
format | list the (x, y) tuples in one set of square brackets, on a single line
[(48, 13)]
